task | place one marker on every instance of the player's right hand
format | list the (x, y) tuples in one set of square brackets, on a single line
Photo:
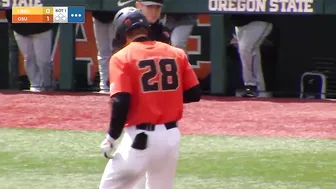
[(107, 146)]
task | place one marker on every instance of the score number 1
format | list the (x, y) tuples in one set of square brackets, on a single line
[(47, 11)]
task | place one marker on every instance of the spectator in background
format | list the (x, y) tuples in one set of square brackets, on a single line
[(102, 25), (152, 11), (35, 43), (108, 43), (251, 30), (181, 26)]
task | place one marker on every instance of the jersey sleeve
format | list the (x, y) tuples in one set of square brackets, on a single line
[(120, 80), (189, 78)]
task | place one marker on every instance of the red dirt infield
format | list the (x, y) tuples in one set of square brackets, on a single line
[(211, 116)]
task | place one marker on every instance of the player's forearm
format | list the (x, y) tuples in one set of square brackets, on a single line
[(193, 94), (119, 110)]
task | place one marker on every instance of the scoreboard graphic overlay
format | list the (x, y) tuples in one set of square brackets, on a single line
[(48, 14)]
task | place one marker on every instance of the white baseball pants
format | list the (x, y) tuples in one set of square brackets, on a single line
[(36, 50), (157, 162), (250, 37), (104, 37), (179, 36)]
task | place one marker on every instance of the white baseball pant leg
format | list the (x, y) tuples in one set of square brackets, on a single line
[(179, 36), (141, 184), (158, 161), (42, 47), (26, 47), (250, 37), (104, 37), (36, 50)]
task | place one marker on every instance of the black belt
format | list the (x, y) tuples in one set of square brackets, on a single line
[(151, 127)]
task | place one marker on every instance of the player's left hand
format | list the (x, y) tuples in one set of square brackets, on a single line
[(107, 146)]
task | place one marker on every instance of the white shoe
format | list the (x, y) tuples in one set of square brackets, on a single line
[(35, 89), (104, 91)]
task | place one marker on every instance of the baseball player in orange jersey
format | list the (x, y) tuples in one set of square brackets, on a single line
[(150, 81)]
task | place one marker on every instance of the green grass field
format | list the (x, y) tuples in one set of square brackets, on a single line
[(41, 159)]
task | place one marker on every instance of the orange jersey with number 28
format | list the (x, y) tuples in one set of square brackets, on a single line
[(156, 75)]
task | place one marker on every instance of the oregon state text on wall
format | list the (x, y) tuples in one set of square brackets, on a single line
[(264, 6)]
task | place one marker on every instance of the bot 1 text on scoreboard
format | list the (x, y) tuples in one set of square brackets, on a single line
[(48, 14)]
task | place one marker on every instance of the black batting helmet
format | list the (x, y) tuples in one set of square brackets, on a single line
[(127, 19)]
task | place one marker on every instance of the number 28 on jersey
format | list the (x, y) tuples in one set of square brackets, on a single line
[(160, 75)]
